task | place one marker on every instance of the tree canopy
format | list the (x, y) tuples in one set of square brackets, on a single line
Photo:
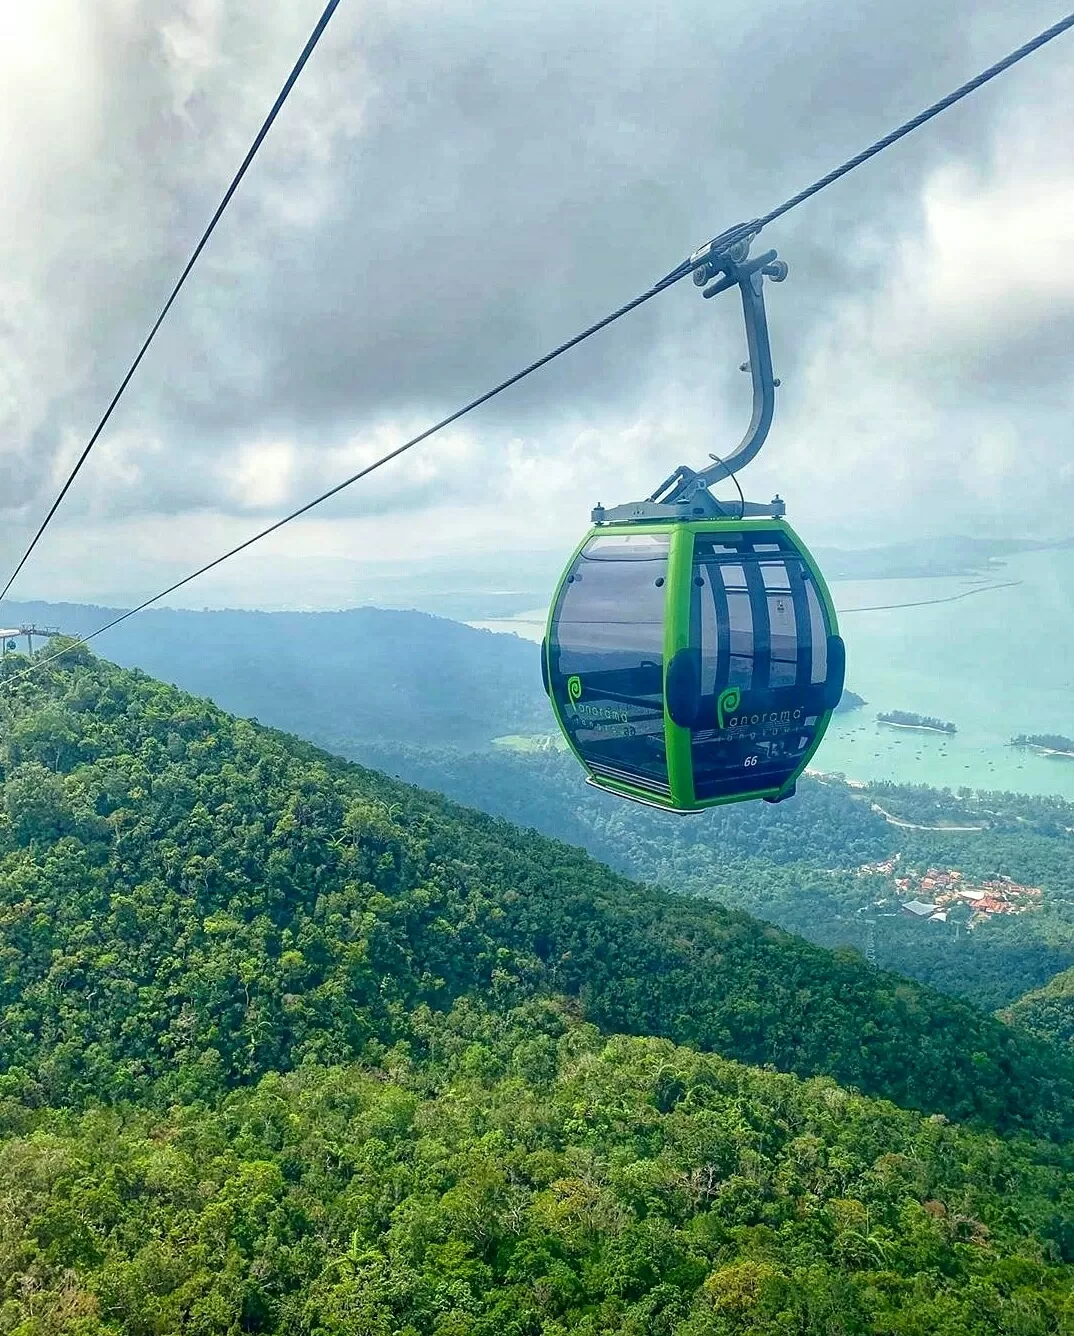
[(288, 1046), (1048, 1011), (191, 897), (529, 1177)]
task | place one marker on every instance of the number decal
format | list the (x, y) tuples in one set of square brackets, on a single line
[(751, 760)]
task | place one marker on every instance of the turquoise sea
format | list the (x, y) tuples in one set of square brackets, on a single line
[(996, 657)]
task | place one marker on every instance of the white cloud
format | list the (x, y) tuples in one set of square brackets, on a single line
[(943, 397), (450, 190)]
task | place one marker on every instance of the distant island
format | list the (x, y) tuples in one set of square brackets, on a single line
[(1053, 744), (903, 719), (850, 700)]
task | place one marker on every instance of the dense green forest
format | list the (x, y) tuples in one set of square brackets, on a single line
[(796, 863), (287, 1045), (528, 1176), (1048, 1011), (193, 899)]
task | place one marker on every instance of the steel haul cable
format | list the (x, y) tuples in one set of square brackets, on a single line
[(719, 244), (292, 79)]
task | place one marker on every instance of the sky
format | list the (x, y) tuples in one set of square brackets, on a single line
[(453, 188)]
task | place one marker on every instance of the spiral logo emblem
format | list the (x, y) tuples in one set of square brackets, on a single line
[(574, 688), (729, 700)]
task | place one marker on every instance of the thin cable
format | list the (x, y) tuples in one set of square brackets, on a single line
[(734, 479), (292, 78), (750, 229), (725, 240), (998, 68), (355, 477)]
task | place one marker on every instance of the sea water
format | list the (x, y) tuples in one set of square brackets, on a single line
[(995, 657)]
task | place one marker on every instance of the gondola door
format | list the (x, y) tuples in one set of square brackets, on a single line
[(770, 665)]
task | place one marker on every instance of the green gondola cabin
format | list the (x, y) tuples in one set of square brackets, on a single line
[(693, 663), (692, 655)]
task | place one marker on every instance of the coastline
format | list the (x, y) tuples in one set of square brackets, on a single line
[(919, 728), (1065, 753), (930, 602)]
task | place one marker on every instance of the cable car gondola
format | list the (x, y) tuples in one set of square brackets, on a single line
[(692, 655)]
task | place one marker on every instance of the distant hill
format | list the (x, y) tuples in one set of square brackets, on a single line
[(342, 679), (929, 557), (848, 701), (1047, 1011), (367, 673)]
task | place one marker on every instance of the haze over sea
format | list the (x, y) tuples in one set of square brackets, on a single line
[(996, 658)]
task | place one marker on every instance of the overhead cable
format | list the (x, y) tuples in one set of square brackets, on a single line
[(713, 249), (292, 78), (1056, 30), (755, 225)]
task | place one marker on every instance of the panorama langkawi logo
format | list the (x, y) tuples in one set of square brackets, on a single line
[(727, 704)]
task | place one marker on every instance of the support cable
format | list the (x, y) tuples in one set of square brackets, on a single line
[(292, 78)]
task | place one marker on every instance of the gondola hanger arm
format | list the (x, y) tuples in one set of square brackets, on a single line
[(730, 270), (685, 494)]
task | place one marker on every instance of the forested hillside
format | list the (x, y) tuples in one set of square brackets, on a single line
[(191, 897), (288, 1046), (423, 697), (527, 1175), (798, 863), (1048, 1011)]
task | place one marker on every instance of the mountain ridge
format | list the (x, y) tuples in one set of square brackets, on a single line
[(365, 671), (276, 904)]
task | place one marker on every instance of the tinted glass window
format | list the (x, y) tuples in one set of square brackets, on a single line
[(607, 657), (763, 644), (783, 666), (819, 633)]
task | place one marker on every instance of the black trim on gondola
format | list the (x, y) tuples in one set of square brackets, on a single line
[(837, 668), (762, 626), (723, 625), (682, 687), (803, 673)]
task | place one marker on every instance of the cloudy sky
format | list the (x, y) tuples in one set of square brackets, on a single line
[(456, 186)]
